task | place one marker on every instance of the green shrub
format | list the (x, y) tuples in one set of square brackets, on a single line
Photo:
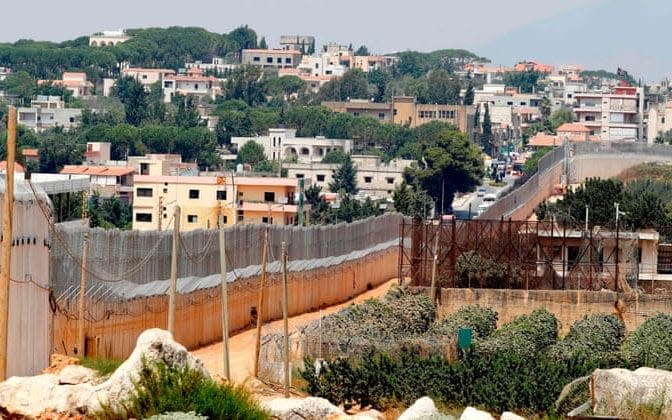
[(483, 322), (163, 389), (596, 339), (650, 344), (525, 335), (474, 270)]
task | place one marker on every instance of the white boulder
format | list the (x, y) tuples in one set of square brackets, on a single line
[(76, 374), (422, 408), (470, 413), (311, 408), (65, 393), (507, 415), (621, 392)]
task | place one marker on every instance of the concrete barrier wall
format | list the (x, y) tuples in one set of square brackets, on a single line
[(567, 306), (112, 328)]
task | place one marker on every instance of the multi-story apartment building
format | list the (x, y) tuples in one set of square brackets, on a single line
[(282, 144), (375, 179), (49, 112), (616, 115), (406, 110), (108, 38), (192, 83), (659, 120), (147, 76), (218, 66), (202, 199), (272, 58), (155, 164)]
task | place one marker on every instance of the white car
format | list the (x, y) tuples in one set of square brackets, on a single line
[(489, 198), (480, 192)]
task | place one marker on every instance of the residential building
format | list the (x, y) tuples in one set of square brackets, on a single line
[(616, 115), (147, 76), (485, 72), (660, 120), (4, 72), (372, 62), (108, 38), (217, 67), (282, 144), (406, 110), (192, 83), (573, 132), (533, 66), (75, 82), (202, 199), (108, 181), (155, 164), (303, 43), (47, 112), (314, 83), (375, 178), (272, 58)]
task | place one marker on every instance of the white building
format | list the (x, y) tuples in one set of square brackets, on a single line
[(282, 144), (218, 66), (303, 43), (375, 179), (107, 38), (146, 76), (49, 112), (191, 83), (615, 115), (4, 72), (272, 58)]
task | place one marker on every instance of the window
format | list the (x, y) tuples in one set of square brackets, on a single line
[(389, 180), (256, 59), (509, 103), (144, 77), (381, 115), (395, 111), (590, 118), (72, 119), (356, 113), (192, 218), (279, 60), (196, 86), (194, 194), (368, 179), (143, 217), (269, 60), (165, 190), (226, 220), (266, 219), (144, 192), (167, 84), (305, 151), (144, 169), (269, 196), (320, 178), (299, 176), (221, 195)]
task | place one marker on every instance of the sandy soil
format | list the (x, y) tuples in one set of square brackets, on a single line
[(241, 346)]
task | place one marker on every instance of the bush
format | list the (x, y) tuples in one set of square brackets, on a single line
[(163, 389), (525, 335), (596, 339), (483, 322), (104, 367), (651, 344), (473, 270)]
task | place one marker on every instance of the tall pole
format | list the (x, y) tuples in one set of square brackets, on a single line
[(434, 263), (285, 316), (7, 241), (260, 307), (617, 282), (81, 340), (225, 298), (300, 201), (586, 218), (172, 299)]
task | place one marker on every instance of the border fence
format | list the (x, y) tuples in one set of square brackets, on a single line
[(128, 278)]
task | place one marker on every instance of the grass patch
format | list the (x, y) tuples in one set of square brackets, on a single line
[(162, 389), (104, 367)]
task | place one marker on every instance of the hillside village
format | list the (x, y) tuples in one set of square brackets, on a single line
[(209, 224)]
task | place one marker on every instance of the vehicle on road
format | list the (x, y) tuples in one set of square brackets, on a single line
[(480, 192), (489, 198)]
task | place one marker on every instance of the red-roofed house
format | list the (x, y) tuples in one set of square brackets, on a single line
[(108, 181), (533, 66), (75, 82), (192, 83)]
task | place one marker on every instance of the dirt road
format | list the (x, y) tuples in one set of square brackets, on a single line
[(241, 345)]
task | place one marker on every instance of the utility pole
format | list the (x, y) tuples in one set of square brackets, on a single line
[(436, 259), (81, 339), (285, 316), (300, 201), (260, 307), (172, 298), (225, 298), (8, 213), (85, 207), (160, 215)]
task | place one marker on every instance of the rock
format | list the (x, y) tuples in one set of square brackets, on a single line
[(311, 408), (58, 361), (368, 415), (422, 408), (470, 413), (507, 415), (622, 392), (31, 396), (76, 374)]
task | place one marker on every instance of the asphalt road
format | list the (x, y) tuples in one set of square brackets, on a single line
[(461, 206)]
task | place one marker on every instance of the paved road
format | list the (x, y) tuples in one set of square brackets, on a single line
[(461, 207)]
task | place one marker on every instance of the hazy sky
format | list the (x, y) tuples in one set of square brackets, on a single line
[(384, 26)]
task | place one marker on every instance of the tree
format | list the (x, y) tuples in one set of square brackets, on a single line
[(353, 84), (251, 153), (403, 199), (411, 63), (545, 108), (335, 156), (58, 150), (20, 84), (525, 81), (242, 38), (345, 179), (379, 79), (469, 94), (132, 94), (248, 84), (486, 132), (441, 89), (187, 112), (362, 51), (262, 43)]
